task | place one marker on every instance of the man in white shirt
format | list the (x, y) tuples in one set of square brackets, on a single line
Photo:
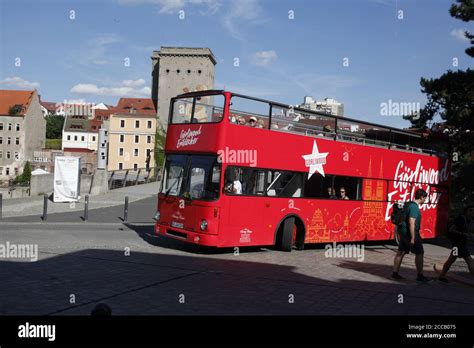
[(237, 187)]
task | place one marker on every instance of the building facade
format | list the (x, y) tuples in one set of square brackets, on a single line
[(22, 131), (131, 135), (78, 134), (328, 105), (177, 70)]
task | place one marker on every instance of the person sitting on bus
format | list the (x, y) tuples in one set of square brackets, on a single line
[(260, 124), (331, 193), (241, 121), (234, 187), (327, 128), (342, 191), (233, 184), (252, 121)]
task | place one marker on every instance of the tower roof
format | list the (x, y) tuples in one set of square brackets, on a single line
[(185, 51)]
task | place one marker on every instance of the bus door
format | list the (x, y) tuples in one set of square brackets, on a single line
[(282, 187), (245, 190)]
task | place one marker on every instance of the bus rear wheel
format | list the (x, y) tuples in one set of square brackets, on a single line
[(290, 234)]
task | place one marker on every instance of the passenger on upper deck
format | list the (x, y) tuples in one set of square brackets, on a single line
[(241, 121), (252, 121)]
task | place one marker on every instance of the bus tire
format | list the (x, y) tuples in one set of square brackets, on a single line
[(287, 234)]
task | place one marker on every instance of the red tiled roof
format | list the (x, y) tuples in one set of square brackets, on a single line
[(141, 106), (94, 125), (9, 98), (50, 106), (72, 149), (102, 113)]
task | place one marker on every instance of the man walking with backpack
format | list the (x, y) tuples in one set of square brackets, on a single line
[(410, 239), (457, 232)]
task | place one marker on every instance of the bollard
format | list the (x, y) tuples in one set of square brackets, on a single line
[(86, 208), (45, 207), (1, 202), (125, 209)]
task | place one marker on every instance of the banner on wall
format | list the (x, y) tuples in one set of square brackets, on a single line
[(66, 179)]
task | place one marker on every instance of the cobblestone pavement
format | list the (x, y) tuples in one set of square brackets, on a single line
[(90, 263)]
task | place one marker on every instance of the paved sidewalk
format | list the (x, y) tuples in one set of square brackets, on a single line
[(33, 206)]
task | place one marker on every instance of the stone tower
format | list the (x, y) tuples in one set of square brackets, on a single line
[(176, 70)]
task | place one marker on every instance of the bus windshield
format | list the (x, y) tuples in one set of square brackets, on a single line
[(204, 109), (192, 176)]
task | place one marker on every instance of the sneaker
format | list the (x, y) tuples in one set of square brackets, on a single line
[(443, 279), (422, 278), (397, 276)]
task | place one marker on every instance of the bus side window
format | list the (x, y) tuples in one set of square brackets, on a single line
[(314, 186)]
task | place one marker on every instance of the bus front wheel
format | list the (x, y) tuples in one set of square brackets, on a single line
[(288, 234)]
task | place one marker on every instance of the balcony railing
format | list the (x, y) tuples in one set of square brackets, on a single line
[(130, 177)]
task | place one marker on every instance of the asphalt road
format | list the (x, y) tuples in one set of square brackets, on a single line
[(137, 273)]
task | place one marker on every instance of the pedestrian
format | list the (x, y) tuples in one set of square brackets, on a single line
[(457, 232), (410, 239)]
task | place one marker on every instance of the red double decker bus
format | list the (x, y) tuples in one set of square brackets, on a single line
[(242, 171)]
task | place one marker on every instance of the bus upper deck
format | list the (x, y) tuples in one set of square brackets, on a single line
[(203, 107)]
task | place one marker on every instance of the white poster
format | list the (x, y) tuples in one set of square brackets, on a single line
[(66, 179)]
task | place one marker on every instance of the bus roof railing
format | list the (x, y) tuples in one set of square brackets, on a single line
[(336, 134)]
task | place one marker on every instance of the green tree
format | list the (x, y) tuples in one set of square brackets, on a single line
[(451, 98), (24, 177), (464, 11), (160, 141), (54, 126)]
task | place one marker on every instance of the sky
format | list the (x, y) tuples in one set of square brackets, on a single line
[(362, 53)]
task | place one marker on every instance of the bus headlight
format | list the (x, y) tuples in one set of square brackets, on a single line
[(203, 225), (156, 217)]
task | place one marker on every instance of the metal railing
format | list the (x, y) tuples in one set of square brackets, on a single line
[(130, 177)]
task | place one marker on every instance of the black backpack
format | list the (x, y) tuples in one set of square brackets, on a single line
[(399, 213)]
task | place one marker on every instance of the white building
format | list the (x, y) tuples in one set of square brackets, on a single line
[(79, 134), (328, 105)]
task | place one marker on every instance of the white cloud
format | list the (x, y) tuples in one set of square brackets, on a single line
[(127, 88), (459, 34), (94, 51), (173, 6), (264, 58), (104, 39), (100, 62), (241, 11), (16, 81), (133, 83)]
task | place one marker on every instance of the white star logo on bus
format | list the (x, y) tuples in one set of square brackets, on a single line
[(315, 161)]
